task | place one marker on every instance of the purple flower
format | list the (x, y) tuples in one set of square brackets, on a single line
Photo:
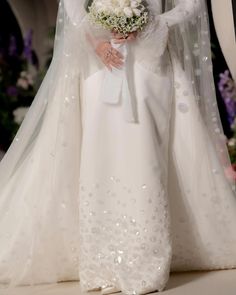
[(12, 91), (12, 50), (227, 89), (27, 53)]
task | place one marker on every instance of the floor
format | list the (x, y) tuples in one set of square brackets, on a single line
[(190, 283)]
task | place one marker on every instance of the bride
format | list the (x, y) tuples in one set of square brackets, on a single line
[(120, 173)]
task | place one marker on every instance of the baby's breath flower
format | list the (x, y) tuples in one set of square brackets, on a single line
[(123, 16)]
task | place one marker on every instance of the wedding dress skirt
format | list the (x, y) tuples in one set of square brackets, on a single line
[(124, 216), (128, 204)]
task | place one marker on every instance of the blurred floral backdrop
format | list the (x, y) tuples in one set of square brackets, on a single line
[(18, 75), (21, 72), (225, 91)]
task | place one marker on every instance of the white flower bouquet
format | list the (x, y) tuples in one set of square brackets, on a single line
[(120, 16)]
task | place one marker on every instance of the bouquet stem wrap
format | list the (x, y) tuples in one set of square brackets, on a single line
[(115, 85)]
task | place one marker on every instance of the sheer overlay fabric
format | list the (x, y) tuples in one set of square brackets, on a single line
[(44, 172)]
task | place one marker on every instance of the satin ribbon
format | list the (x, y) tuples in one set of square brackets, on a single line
[(115, 86)]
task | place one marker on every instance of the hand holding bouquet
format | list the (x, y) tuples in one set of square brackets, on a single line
[(124, 18)]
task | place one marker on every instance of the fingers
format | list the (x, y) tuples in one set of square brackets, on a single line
[(114, 52), (107, 64), (124, 40), (117, 62), (117, 53), (120, 41), (118, 35), (110, 56), (116, 59), (131, 37), (114, 64)]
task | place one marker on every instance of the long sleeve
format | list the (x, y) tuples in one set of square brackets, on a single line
[(184, 10), (153, 40), (85, 36)]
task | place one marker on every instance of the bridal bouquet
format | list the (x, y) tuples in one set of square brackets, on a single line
[(120, 16)]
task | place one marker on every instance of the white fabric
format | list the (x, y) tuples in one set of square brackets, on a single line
[(81, 188), (127, 238), (124, 213), (115, 84)]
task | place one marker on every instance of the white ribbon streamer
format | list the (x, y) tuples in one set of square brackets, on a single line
[(115, 85)]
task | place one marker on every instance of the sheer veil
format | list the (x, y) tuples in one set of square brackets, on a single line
[(189, 42), (64, 71), (54, 118), (46, 149), (190, 48)]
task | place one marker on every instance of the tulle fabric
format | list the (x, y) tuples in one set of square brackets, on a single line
[(54, 117), (28, 213), (202, 203), (183, 28), (38, 204), (189, 43)]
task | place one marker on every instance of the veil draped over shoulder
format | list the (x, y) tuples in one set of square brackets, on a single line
[(54, 118), (189, 44)]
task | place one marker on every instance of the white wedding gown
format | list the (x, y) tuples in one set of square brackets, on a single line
[(105, 214), (132, 230)]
